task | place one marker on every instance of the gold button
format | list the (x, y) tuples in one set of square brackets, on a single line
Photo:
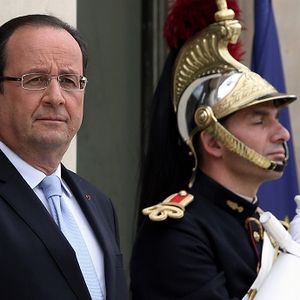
[(256, 236)]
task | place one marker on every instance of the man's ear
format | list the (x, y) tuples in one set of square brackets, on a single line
[(210, 144)]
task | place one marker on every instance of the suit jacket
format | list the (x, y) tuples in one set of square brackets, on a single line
[(207, 255), (36, 261)]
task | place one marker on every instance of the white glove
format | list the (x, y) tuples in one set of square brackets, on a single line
[(295, 224), (282, 281), (283, 238)]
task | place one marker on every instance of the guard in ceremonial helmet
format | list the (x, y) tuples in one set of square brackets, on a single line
[(214, 139)]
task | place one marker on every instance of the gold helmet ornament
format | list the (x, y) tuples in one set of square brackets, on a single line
[(209, 84)]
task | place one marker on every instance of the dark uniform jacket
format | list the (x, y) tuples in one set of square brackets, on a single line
[(37, 262), (207, 255)]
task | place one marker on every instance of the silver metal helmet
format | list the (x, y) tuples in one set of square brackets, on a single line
[(209, 84)]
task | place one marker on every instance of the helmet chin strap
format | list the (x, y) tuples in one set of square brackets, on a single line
[(205, 119), (235, 145), (286, 158)]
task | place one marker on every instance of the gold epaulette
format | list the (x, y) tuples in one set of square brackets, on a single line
[(172, 207)]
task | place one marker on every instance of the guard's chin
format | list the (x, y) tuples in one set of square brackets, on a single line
[(276, 174)]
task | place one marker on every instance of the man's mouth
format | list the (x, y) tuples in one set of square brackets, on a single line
[(51, 119), (278, 156)]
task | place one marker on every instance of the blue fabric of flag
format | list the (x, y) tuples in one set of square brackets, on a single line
[(275, 196)]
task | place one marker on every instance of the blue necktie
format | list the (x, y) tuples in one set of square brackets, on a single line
[(51, 186)]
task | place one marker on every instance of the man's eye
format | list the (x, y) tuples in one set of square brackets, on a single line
[(35, 80), (257, 121), (69, 81)]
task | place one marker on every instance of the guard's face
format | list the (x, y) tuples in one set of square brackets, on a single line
[(34, 121), (259, 128)]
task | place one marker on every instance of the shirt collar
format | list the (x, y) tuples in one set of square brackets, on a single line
[(31, 175), (250, 199)]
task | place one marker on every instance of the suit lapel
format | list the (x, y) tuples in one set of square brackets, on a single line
[(95, 214), (20, 197)]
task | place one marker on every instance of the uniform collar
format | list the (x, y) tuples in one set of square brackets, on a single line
[(207, 188)]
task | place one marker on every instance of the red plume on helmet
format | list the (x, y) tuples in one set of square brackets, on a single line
[(187, 17)]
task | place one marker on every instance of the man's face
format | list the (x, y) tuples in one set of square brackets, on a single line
[(257, 127), (33, 121)]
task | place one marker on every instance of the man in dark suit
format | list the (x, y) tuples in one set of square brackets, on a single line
[(47, 242)]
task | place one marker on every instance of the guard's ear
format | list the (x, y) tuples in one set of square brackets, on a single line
[(210, 144)]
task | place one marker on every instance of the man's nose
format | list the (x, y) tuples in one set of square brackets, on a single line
[(281, 133), (53, 92)]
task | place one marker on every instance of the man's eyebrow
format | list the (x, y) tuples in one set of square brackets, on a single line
[(265, 112), (37, 70)]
